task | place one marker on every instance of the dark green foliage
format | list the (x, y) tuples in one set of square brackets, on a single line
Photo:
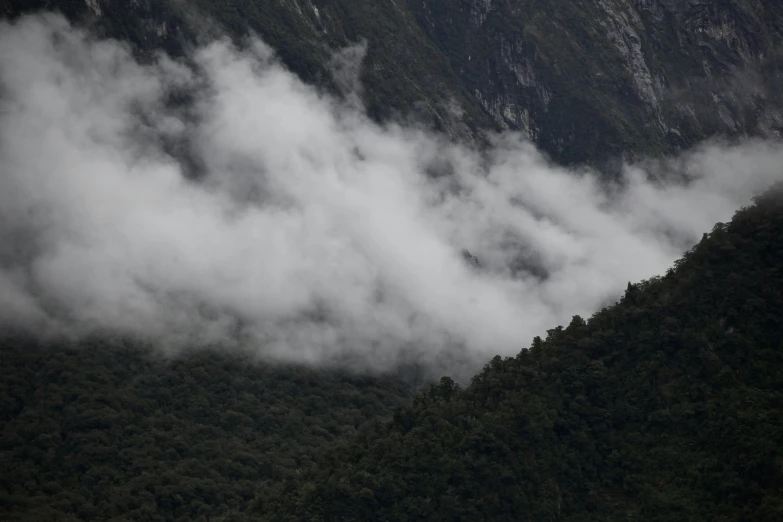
[(109, 430), (666, 406)]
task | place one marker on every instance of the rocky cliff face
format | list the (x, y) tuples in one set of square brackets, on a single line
[(606, 76), (586, 80)]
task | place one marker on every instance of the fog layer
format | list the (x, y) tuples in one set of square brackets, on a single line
[(231, 204)]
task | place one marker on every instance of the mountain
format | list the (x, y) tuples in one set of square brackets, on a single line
[(587, 81), (665, 406)]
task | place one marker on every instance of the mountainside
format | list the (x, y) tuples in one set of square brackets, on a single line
[(666, 406), (607, 76), (587, 81)]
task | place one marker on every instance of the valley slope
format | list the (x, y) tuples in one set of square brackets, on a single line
[(664, 406), (587, 81)]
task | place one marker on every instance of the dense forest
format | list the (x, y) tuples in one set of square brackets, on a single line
[(112, 430), (665, 406)]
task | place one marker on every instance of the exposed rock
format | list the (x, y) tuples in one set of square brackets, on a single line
[(587, 81)]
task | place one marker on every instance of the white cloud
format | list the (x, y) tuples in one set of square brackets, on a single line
[(308, 232)]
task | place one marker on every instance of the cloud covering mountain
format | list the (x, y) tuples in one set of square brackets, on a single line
[(225, 202)]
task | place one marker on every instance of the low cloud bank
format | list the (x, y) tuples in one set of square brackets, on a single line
[(231, 204)]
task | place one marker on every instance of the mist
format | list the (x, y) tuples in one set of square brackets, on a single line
[(225, 203)]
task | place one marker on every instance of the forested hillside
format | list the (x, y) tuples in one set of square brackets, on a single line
[(666, 406)]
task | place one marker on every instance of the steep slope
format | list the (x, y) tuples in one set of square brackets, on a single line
[(666, 406), (110, 429), (588, 81), (403, 72)]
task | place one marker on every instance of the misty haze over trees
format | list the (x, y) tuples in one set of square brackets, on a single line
[(229, 287)]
